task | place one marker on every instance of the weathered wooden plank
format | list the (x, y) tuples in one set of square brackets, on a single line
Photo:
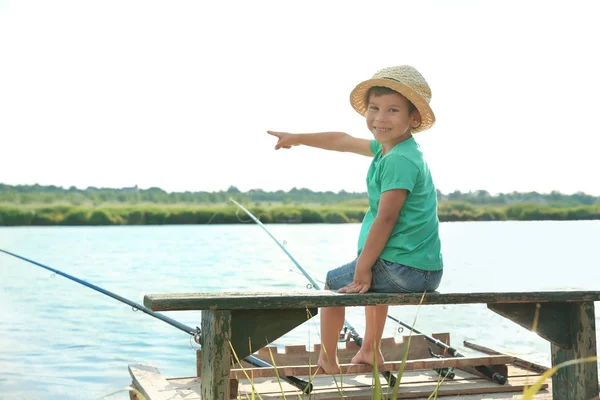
[(216, 354), (410, 365), (548, 318), (325, 298), (299, 355), (579, 381), (415, 385), (254, 329), (148, 380), (529, 365)]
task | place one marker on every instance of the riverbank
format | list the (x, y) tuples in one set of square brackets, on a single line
[(167, 214)]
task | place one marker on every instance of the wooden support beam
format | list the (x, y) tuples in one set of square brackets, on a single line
[(549, 319), (578, 381), (570, 329), (245, 331), (252, 330), (216, 354)]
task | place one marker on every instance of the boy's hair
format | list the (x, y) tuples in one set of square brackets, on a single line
[(381, 90)]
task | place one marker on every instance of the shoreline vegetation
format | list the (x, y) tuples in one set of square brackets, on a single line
[(36, 205)]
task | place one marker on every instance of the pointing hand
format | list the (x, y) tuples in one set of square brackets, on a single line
[(286, 140)]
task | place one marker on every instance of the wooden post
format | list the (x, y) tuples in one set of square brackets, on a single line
[(216, 354), (578, 381)]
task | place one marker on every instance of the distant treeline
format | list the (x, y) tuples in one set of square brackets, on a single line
[(52, 205), (37, 194), (202, 214)]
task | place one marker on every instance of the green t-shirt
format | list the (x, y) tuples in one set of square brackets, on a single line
[(415, 240)]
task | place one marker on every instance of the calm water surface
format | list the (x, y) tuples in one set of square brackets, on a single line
[(62, 340)]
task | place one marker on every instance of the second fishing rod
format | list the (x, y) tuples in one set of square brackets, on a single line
[(483, 369), (196, 333)]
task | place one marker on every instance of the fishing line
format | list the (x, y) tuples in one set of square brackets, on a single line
[(196, 333)]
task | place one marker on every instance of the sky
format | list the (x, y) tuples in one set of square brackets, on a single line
[(179, 95)]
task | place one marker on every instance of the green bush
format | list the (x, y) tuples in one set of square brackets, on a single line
[(286, 215), (98, 217), (156, 217), (136, 217), (181, 217), (77, 217), (15, 216), (355, 215), (490, 214), (310, 216), (335, 217)]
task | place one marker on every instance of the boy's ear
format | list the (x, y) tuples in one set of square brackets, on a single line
[(416, 119)]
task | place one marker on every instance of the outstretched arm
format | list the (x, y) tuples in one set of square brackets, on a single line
[(335, 141)]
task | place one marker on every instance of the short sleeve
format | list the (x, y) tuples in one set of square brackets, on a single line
[(375, 147), (397, 172)]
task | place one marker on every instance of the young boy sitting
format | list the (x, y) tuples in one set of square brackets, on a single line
[(399, 247)]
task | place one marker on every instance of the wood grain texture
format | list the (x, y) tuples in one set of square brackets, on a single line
[(417, 385), (579, 381), (299, 355), (531, 366), (254, 329), (347, 369), (151, 384), (216, 355), (548, 318), (325, 298)]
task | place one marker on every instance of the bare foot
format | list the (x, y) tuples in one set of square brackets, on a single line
[(366, 357), (329, 366)]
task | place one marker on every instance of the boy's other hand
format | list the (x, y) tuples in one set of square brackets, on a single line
[(361, 283), (286, 140)]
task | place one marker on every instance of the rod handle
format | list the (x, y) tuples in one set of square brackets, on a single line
[(490, 373), (390, 378), (484, 369), (305, 387)]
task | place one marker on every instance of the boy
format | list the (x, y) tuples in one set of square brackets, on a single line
[(399, 247)]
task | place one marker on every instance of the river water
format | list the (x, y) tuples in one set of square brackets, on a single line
[(62, 340)]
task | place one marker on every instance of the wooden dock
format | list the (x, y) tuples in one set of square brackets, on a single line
[(419, 379)]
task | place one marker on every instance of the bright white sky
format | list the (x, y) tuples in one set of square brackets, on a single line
[(179, 95)]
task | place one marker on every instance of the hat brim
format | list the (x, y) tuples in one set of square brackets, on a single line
[(357, 99)]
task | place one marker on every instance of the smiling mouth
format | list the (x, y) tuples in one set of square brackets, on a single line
[(381, 130)]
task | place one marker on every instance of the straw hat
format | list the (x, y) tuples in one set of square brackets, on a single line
[(405, 80)]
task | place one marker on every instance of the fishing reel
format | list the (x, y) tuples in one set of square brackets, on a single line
[(344, 335), (198, 336), (446, 372)]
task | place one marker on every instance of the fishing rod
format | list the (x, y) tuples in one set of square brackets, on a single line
[(487, 371), (304, 386), (484, 369), (357, 338)]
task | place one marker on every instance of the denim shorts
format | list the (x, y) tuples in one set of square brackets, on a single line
[(388, 277)]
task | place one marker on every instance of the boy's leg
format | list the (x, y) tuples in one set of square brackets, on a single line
[(332, 321), (376, 317), (332, 318)]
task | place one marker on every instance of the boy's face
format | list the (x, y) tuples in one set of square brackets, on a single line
[(388, 118)]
